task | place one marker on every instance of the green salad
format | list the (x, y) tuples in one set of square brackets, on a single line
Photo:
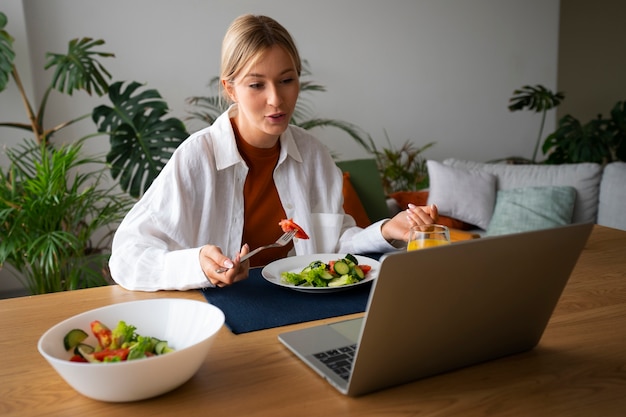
[(337, 273)]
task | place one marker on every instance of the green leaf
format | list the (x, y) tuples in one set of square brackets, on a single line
[(574, 142), (537, 98), (79, 69), (142, 139), (7, 55), (52, 204)]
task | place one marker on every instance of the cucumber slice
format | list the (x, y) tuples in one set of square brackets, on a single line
[(162, 348), (317, 264), (351, 258), (86, 352), (73, 338), (83, 348), (338, 282), (358, 272), (326, 275), (341, 268)]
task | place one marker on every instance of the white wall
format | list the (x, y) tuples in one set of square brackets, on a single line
[(424, 70), (429, 70)]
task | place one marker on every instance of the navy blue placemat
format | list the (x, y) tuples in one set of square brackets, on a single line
[(255, 304)]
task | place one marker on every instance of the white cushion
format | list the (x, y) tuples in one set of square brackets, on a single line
[(584, 177), (612, 205), (467, 195)]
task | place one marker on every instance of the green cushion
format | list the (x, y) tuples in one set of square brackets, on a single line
[(366, 181), (532, 208)]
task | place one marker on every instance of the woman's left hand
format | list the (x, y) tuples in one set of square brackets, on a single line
[(398, 227)]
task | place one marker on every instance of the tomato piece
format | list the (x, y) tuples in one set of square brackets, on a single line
[(102, 333), (287, 225), (77, 358), (331, 267), (102, 355)]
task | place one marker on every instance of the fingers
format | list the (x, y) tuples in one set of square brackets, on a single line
[(219, 269), (422, 215), (434, 212), (245, 249)]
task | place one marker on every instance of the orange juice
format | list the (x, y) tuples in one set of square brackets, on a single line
[(425, 243)]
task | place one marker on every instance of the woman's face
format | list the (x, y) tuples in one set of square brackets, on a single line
[(266, 93)]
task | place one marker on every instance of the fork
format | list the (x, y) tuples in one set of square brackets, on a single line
[(281, 241)]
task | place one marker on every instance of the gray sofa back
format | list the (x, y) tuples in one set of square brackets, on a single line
[(612, 200), (584, 177)]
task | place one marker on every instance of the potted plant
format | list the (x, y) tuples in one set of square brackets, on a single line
[(401, 168), (53, 205), (55, 202), (601, 140)]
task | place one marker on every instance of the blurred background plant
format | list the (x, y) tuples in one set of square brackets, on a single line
[(601, 140), (539, 99), (401, 168)]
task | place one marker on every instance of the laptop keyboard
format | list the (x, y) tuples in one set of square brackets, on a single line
[(339, 360)]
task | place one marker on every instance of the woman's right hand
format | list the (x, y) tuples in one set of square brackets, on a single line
[(398, 227), (221, 270)]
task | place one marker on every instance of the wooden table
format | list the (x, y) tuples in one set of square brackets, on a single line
[(578, 369)]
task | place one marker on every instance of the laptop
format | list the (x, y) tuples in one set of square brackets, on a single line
[(440, 309)]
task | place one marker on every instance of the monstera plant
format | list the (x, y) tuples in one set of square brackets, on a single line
[(142, 138), (601, 140), (57, 206), (538, 99)]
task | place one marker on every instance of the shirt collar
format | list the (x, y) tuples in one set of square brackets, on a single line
[(226, 153)]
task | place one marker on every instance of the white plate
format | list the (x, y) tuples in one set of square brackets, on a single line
[(272, 271)]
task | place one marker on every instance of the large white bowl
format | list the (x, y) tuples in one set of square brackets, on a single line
[(188, 326)]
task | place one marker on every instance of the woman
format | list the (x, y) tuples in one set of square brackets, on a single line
[(232, 182)]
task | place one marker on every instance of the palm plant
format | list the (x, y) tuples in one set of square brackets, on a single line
[(209, 108), (50, 211), (539, 99)]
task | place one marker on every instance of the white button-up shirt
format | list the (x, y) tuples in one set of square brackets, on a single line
[(198, 199)]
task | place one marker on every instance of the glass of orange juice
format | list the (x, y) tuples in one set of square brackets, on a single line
[(427, 236)]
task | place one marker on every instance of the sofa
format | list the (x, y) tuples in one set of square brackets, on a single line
[(480, 199), (366, 201), (502, 198)]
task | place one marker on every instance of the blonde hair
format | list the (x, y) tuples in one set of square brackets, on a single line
[(247, 38)]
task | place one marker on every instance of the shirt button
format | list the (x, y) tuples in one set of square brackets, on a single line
[(289, 206)]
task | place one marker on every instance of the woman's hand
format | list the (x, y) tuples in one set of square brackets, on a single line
[(221, 270), (398, 227)]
